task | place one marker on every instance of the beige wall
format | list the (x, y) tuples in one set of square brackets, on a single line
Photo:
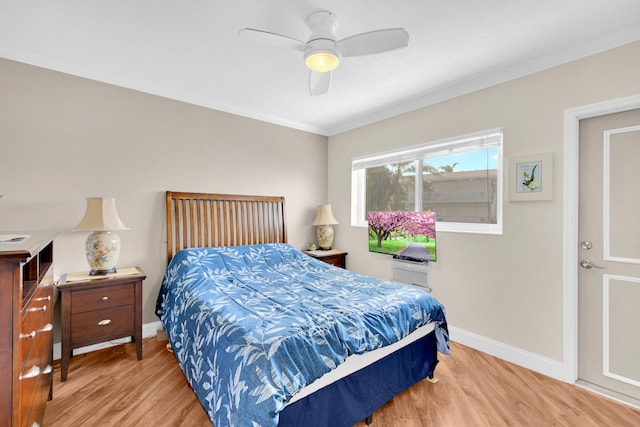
[(505, 288), (64, 138)]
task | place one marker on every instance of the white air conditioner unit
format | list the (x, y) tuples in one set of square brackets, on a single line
[(416, 273)]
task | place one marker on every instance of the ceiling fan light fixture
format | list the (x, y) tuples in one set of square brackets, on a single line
[(322, 55), (322, 61), (322, 52)]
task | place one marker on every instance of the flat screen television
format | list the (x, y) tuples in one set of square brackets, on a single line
[(405, 235)]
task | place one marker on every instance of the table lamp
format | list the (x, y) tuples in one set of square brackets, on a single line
[(324, 233), (103, 244)]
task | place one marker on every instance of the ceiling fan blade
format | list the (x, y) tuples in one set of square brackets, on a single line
[(319, 83), (271, 39), (374, 42)]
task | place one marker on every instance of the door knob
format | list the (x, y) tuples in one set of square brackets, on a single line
[(585, 263)]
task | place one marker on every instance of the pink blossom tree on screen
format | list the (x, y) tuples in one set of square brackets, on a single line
[(417, 223), (382, 224)]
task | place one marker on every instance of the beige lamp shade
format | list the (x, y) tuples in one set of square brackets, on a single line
[(324, 216), (101, 215), (103, 244)]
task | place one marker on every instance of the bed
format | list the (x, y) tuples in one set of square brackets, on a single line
[(267, 335)]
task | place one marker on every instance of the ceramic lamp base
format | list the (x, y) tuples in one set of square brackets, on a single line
[(324, 233), (103, 250)]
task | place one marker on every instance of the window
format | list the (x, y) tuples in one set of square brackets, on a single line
[(459, 178)]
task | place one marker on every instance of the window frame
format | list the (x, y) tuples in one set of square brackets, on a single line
[(492, 137)]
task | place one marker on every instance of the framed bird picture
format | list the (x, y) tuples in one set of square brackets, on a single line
[(531, 177)]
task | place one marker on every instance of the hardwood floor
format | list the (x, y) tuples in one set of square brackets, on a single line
[(110, 387)]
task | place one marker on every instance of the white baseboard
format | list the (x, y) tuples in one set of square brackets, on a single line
[(526, 359), (148, 330)]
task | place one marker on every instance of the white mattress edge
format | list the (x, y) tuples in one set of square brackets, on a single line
[(355, 362)]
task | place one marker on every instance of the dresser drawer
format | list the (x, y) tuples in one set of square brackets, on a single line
[(28, 397), (35, 385), (102, 298), (38, 310), (34, 390), (35, 350), (36, 331), (92, 325)]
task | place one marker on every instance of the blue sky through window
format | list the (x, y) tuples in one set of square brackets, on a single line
[(467, 161)]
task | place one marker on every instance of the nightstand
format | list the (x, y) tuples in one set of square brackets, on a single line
[(95, 309), (332, 256)]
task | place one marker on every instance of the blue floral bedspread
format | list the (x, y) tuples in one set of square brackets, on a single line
[(252, 325)]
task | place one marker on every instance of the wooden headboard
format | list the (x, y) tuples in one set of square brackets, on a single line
[(199, 220)]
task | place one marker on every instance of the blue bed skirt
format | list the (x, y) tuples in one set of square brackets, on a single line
[(353, 398)]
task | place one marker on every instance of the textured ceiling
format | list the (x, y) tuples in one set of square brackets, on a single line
[(190, 51)]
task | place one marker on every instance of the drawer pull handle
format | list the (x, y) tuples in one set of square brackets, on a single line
[(43, 308), (47, 298), (105, 298), (104, 322), (35, 371), (31, 373), (46, 328), (31, 335)]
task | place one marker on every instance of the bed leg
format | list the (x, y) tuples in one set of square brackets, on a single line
[(369, 419), (432, 377)]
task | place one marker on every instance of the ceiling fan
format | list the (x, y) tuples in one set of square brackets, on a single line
[(322, 52)]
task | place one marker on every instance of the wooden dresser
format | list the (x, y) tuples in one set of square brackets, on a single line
[(26, 327)]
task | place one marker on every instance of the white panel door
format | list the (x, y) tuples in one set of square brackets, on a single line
[(609, 233)]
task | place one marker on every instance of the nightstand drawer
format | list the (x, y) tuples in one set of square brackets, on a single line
[(103, 323), (332, 256), (337, 260), (101, 298)]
